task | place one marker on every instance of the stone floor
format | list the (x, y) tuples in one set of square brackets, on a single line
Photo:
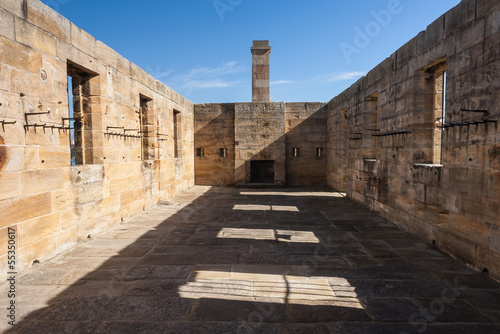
[(224, 260)]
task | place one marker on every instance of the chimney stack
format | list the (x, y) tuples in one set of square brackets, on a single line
[(260, 71)]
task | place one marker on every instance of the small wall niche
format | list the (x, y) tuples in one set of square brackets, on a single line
[(81, 92), (319, 152)]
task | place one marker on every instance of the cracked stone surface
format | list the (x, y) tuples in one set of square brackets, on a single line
[(224, 260)]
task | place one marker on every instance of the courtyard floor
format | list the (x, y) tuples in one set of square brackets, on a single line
[(226, 260)]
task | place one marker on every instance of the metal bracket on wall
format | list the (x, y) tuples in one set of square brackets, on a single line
[(27, 126), (121, 134), (474, 110), (162, 139), (130, 136), (52, 127), (6, 122), (77, 119), (467, 123), (114, 133), (366, 179), (356, 134), (26, 114), (392, 133)]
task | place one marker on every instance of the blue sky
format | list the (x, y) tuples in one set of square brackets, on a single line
[(201, 48)]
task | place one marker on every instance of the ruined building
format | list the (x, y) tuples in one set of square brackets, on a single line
[(416, 139)]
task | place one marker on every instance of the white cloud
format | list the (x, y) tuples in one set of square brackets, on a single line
[(225, 69), (194, 84), (332, 77), (157, 73), (282, 82), (202, 77)]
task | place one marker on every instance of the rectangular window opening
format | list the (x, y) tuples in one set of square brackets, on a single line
[(200, 152), (223, 153), (177, 134), (439, 112), (79, 87), (370, 126), (319, 152), (443, 116), (295, 152), (431, 103), (144, 128), (72, 125)]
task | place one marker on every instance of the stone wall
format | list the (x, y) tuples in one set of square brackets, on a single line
[(386, 135), (261, 131), (124, 138), (385, 140), (306, 131), (214, 130), (259, 134)]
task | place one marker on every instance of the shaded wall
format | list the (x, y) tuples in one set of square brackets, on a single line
[(214, 130), (119, 172), (259, 134), (386, 136), (306, 131), (261, 131)]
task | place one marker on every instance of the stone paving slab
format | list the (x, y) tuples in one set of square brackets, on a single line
[(225, 260)]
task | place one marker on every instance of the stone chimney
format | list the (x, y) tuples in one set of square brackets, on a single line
[(260, 71)]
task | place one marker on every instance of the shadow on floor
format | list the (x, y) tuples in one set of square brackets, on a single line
[(225, 260)]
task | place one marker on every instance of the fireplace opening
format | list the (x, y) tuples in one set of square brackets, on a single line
[(262, 171)]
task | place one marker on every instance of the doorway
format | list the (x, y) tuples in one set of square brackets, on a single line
[(262, 171)]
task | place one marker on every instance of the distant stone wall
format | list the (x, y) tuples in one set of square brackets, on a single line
[(259, 134), (125, 147), (386, 135), (261, 131)]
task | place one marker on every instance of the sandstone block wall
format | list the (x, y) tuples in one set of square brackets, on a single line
[(386, 136), (306, 131), (261, 131), (214, 130), (259, 134), (124, 143)]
